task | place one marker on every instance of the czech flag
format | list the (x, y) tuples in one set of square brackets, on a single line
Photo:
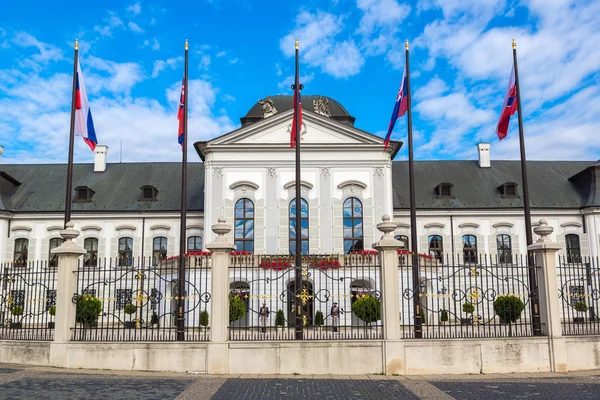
[(399, 108), (180, 113), (297, 112), (84, 126), (509, 107)]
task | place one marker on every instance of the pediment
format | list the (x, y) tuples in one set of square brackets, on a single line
[(316, 131)]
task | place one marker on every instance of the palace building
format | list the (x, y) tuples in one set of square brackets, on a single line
[(129, 210)]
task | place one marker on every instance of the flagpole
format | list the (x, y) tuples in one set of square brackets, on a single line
[(528, 230), (298, 282), (413, 212), (71, 139), (183, 227)]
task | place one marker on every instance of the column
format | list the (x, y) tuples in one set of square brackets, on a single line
[(218, 349), (68, 253), (544, 251)]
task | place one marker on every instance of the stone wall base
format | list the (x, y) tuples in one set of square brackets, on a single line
[(402, 357)]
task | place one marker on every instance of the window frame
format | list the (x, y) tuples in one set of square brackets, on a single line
[(159, 254), (22, 250), (356, 242), (125, 254), (404, 239), (53, 258), (573, 253), (196, 239), (153, 192), (90, 258), (469, 248), (302, 219), (89, 193), (246, 241), (436, 252), (504, 255), (439, 190)]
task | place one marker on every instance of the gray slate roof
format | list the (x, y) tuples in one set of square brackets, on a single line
[(42, 187), (476, 188)]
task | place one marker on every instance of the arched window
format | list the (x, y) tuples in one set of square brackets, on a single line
[(504, 246), (404, 240), (21, 248), (90, 259), (304, 226), (244, 225), (159, 250), (573, 248), (353, 225), (53, 258), (436, 247), (194, 243), (125, 251), (469, 249)]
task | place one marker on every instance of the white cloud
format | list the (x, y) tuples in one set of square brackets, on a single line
[(135, 27), (204, 62), (228, 98), (285, 85), (46, 53), (433, 88), (135, 8), (111, 76), (161, 65), (155, 44), (378, 13), (278, 69), (221, 54), (113, 21)]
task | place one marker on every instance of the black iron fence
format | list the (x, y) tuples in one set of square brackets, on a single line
[(579, 294), (339, 297), (27, 300), (140, 302), (485, 296)]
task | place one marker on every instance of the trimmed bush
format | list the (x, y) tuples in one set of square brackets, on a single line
[(367, 308), (280, 318), (444, 316), (17, 310), (52, 311), (204, 318), (130, 309), (319, 320), (508, 308), (88, 310), (580, 306), (237, 308), (468, 308)]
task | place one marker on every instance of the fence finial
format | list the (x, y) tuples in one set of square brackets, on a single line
[(387, 227), (68, 234), (221, 229), (543, 230)]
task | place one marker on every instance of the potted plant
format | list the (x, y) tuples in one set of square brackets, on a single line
[(367, 308), (469, 309), (17, 311), (444, 317), (279, 321), (204, 320), (88, 310), (154, 320), (319, 320), (581, 308), (237, 308), (508, 308), (130, 309), (52, 312)]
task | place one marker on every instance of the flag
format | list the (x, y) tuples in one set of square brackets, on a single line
[(509, 107), (399, 108), (180, 113), (297, 112), (84, 126)]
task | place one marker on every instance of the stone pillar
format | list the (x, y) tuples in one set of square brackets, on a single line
[(388, 249), (544, 252), (217, 361), (68, 253)]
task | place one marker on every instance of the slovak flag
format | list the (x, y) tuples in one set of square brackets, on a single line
[(180, 113), (299, 113), (508, 108), (84, 126), (399, 108)]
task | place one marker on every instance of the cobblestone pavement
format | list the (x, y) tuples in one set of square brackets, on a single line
[(22, 382)]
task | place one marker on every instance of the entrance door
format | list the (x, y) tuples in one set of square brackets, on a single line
[(307, 309)]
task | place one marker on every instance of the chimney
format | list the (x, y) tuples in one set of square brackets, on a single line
[(1, 152), (484, 155), (100, 158)]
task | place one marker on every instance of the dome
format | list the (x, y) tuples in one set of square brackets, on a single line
[(286, 102)]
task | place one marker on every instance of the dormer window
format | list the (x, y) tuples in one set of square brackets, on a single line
[(444, 190), (83, 194), (508, 189), (148, 193)]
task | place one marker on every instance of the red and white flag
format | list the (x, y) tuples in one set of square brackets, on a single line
[(508, 108)]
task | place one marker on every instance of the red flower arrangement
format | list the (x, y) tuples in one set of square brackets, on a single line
[(407, 252), (241, 253), (191, 253), (325, 263), (368, 252)]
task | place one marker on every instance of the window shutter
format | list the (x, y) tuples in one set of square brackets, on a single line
[(563, 244), (338, 227), (46, 249), (458, 248), (171, 247), (493, 243), (514, 246), (313, 227), (148, 247), (424, 245), (9, 253), (102, 248), (284, 226), (368, 223), (114, 248), (584, 242), (259, 226), (481, 249), (31, 251), (137, 248)]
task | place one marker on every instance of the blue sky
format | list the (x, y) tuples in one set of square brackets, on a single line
[(352, 50)]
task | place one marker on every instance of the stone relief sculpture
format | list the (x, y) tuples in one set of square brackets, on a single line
[(321, 106), (267, 107)]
